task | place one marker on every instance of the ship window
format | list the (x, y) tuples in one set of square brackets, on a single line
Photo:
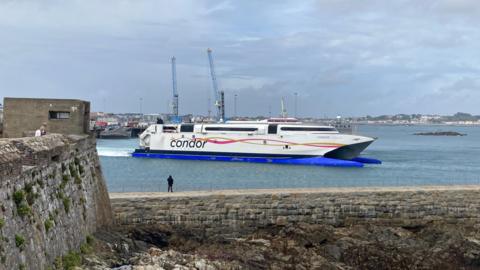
[(307, 129), (230, 129), (58, 115), (186, 128), (169, 129), (272, 129)]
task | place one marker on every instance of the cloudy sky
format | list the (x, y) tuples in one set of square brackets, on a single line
[(347, 57)]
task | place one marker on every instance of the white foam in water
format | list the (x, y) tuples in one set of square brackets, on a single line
[(114, 152)]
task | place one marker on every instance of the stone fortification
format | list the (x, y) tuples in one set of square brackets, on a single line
[(241, 212), (52, 196)]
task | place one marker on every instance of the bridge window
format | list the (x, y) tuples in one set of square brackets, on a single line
[(169, 129), (245, 129), (186, 128), (307, 129), (272, 129)]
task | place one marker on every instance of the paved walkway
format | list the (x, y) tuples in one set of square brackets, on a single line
[(291, 191)]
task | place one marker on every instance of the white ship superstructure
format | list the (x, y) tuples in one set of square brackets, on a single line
[(273, 138)]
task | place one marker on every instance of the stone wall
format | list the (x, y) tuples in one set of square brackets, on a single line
[(239, 212), (52, 196)]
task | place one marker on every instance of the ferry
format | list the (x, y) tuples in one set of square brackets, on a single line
[(275, 140)]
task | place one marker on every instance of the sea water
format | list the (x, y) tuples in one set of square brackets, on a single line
[(407, 160)]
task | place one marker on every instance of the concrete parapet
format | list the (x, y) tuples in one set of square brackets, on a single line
[(10, 159)]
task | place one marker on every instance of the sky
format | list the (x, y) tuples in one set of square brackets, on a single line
[(340, 57)]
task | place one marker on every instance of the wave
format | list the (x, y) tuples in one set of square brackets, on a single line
[(114, 152)]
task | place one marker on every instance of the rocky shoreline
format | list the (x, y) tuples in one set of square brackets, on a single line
[(293, 246)]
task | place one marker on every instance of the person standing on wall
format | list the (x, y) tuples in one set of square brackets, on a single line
[(170, 183), (41, 131)]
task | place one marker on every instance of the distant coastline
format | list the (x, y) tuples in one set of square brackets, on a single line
[(102, 120), (417, 124)]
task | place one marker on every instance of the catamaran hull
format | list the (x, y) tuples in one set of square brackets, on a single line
[(348, 152), (346, 156), (233, 157)]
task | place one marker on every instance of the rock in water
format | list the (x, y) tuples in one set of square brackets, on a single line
[(440, 133)]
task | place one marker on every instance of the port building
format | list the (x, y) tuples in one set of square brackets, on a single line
[(22, 116)]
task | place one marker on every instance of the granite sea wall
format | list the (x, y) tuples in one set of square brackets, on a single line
[(241, 212), (52, 197)]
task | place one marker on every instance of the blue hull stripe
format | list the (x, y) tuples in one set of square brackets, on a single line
[(223, 154), (314, 161), (365, 160)]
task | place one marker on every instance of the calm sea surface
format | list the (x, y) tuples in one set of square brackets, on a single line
[(407, 160)]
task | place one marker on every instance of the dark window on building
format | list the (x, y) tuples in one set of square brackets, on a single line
[(186, 128), (272, 129), (58, 115), (307, 129), (230, 129)]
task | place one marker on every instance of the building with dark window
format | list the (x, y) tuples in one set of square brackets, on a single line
[(22, 116)]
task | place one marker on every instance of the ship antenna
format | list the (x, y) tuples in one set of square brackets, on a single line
[(284, 109)]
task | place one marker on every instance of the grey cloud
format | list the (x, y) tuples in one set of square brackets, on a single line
[(341, 57)]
